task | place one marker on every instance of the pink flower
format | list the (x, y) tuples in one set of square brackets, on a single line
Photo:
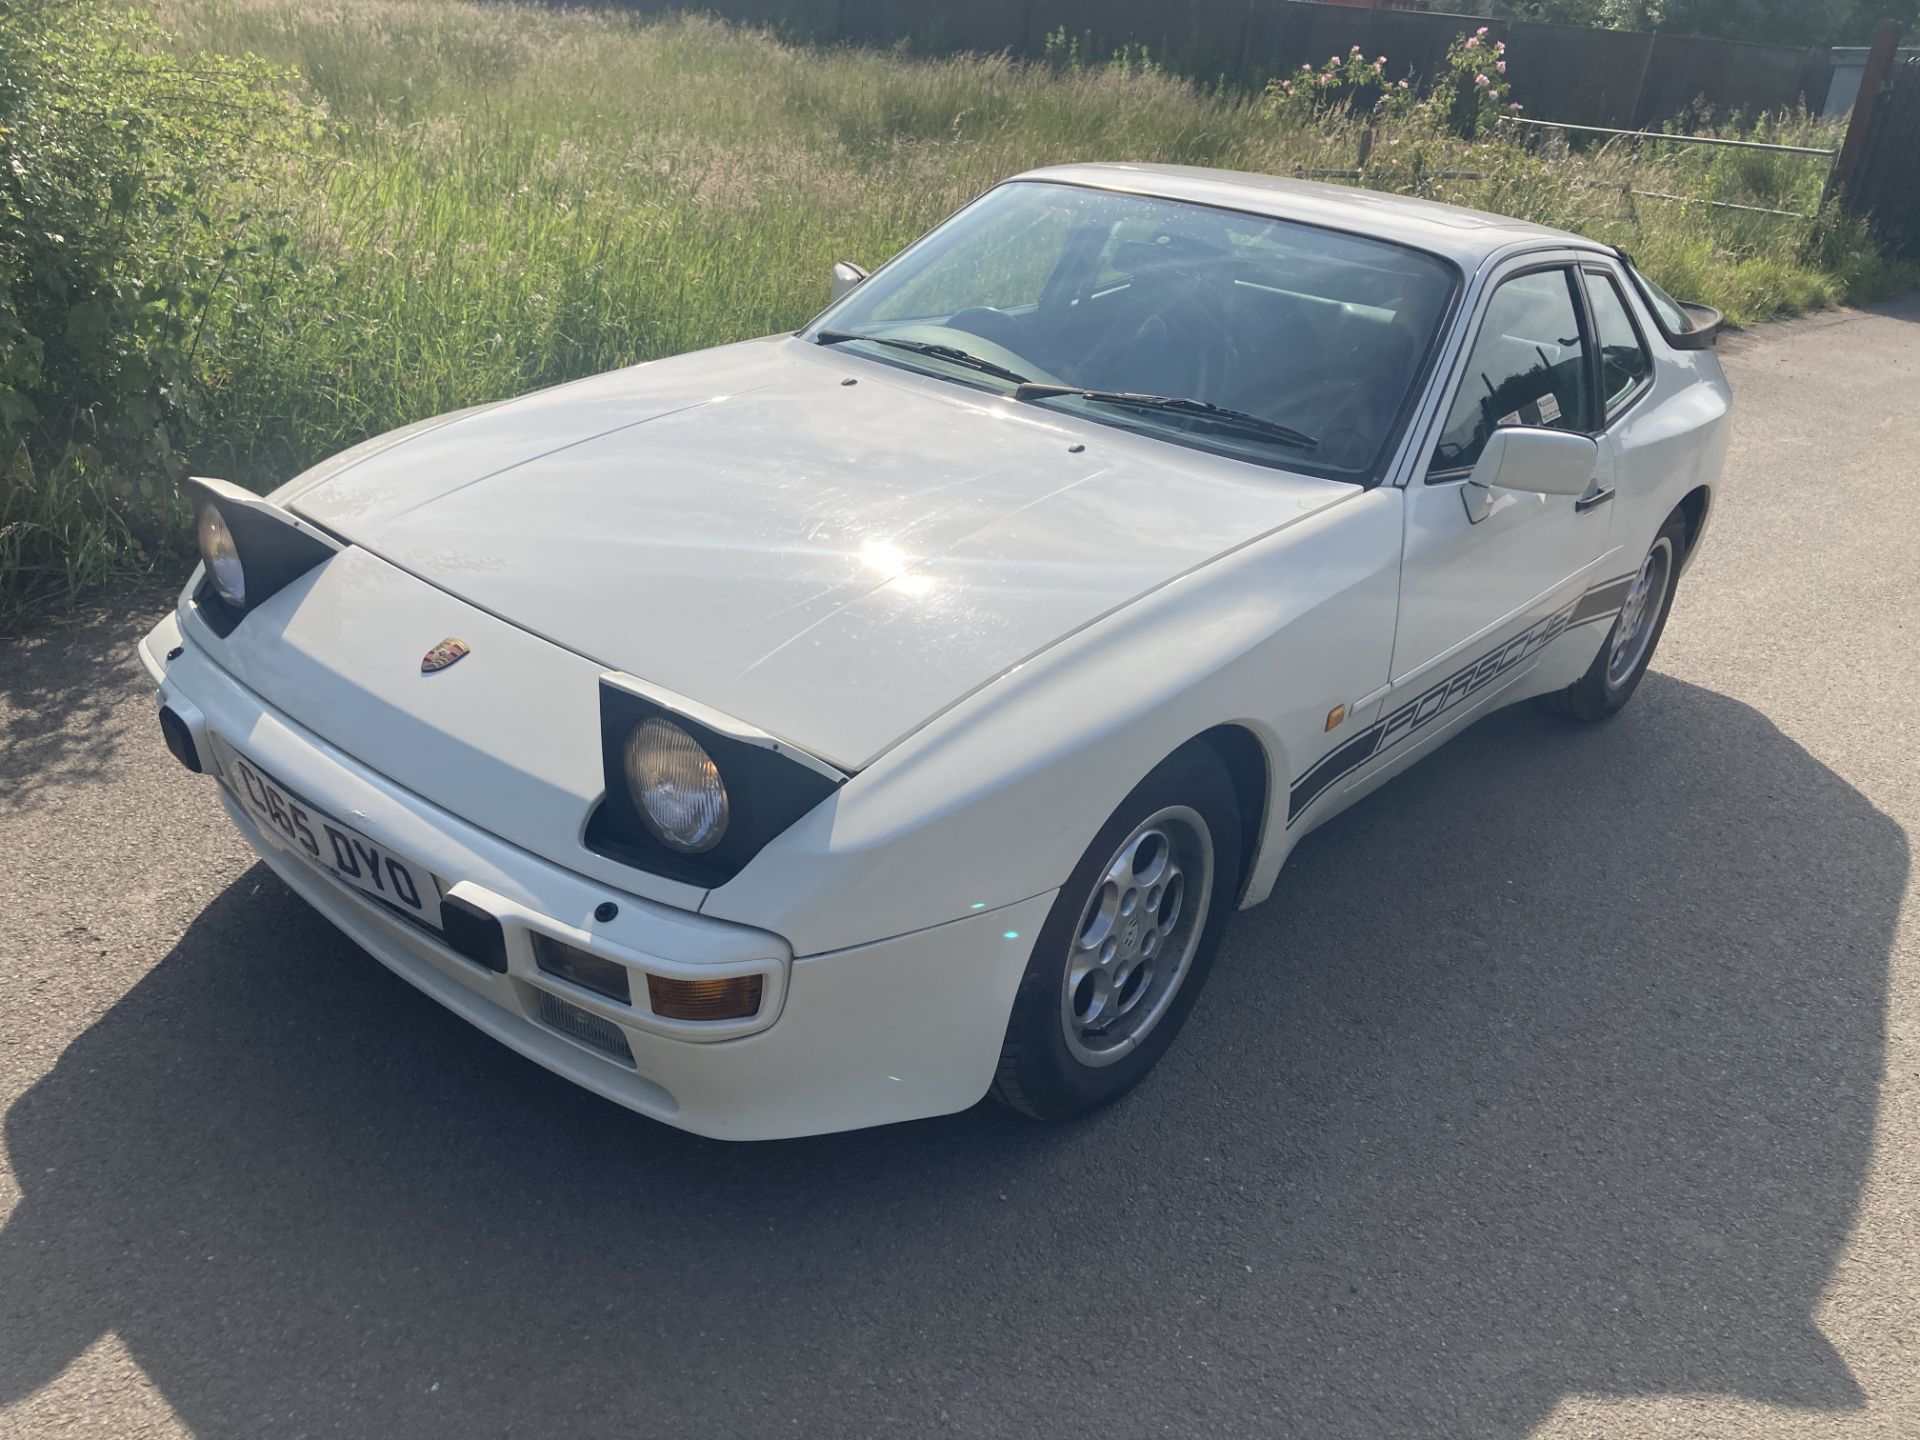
[(1481, 31), (1381, 61), (1501, 67), (1501, 48), (1354, 51), (1481, 81), (1516, 107), (1473, 41), (1403, 85)]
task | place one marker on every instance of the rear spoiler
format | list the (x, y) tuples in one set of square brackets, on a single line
[(1707, 325)]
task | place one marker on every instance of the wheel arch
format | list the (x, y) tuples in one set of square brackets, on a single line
[(1694, 508), (1250, 767)]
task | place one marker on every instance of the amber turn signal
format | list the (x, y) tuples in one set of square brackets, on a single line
[(1336, 715), (735, 999)]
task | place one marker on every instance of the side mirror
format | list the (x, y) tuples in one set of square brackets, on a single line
[(1537, 461), (846, 275)]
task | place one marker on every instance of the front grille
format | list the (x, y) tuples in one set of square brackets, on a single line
[(586, 1027)]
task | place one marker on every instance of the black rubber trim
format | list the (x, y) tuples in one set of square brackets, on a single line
[(473, 933), (180, 739)]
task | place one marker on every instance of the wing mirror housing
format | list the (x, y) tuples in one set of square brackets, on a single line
[(1530, 459), (846, 275)]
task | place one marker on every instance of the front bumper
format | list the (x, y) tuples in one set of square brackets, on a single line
[(901, 1028)]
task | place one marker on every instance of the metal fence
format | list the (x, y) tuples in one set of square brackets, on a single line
[(1830, 154), (1628, 190)]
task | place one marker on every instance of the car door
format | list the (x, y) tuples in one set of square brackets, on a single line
[(1490, 578), (1648, 436)]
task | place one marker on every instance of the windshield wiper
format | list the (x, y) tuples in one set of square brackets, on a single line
[(952, 354), (1200, 409)]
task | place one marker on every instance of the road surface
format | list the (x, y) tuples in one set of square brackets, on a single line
[(1569, 1086)]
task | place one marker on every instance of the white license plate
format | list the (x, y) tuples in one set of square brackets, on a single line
[(298, 828)]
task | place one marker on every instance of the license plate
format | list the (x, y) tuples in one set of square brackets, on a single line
[(300, 829)]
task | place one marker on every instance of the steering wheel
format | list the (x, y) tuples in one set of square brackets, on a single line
[(1183, 345), (1351, 403)]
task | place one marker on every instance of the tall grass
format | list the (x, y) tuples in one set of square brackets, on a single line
[(507, 196), (521, 195)]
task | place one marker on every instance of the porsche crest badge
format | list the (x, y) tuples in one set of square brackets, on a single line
[(442, 655)]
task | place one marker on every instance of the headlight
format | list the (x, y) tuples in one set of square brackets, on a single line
[(251, 550), (676, 787), (689, 797), (222, 557)]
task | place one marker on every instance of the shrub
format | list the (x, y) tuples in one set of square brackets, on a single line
[(1345, 86), (124, 236), (1473, 83)]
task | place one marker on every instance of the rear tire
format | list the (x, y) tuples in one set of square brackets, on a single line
[(1123, 953), (1622, 663)]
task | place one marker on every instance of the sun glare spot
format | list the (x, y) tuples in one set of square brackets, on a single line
[(884, 558)]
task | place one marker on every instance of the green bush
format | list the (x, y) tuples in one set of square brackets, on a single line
[(126, 244)]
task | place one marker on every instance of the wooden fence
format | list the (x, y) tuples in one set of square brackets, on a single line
[(1619, 78)]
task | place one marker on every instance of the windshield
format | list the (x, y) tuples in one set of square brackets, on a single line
[(1299, 344)]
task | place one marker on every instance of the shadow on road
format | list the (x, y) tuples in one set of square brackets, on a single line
[(57, 703), (1550, 1069), (1898, 307)]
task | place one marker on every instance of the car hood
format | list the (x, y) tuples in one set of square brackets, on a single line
[(827, 547)]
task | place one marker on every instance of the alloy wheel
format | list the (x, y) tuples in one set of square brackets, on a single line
[(1137, 936), (1640, 616)]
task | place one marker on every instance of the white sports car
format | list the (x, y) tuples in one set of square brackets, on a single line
[(830, 729)]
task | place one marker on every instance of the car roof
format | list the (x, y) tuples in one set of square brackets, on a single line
[(1467, 237)]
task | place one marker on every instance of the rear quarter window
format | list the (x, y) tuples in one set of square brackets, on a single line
[(1673, 317)]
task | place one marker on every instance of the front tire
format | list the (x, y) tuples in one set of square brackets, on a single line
[(1622, 663), (1123, 953)]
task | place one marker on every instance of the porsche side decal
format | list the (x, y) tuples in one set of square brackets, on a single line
[(1601, 602)]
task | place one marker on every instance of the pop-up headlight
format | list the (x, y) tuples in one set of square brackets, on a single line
[(692, 795), (251, 549)]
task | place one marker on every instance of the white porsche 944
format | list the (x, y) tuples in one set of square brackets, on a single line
[(834, 728)]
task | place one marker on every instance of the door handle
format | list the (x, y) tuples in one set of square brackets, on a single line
[(1593, 501)]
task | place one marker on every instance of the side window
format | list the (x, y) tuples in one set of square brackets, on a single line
[(1677, 321), (1528, 367), (1624, 362)]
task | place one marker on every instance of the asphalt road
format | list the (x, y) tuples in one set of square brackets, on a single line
[(1569, 1086)]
